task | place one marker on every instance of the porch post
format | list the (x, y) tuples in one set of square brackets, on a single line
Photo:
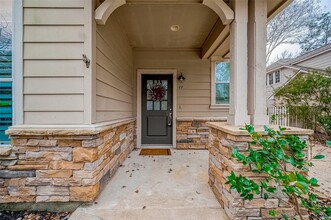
[(257, 20), (238, 64)]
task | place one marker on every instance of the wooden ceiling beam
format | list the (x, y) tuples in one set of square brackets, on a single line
[(216, 38), (220, 33)]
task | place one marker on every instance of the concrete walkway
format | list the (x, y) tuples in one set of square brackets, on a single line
[(159, 187)]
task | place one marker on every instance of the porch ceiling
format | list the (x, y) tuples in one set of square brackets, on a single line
[(148, 25)]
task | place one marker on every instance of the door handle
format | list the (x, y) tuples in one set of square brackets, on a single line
[(170, 119)]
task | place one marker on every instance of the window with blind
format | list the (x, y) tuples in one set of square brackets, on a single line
[(222, 83), (271, 78), (277, 76), (5, 94)]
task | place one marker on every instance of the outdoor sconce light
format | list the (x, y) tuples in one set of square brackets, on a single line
[(181, 78), (86, 60)]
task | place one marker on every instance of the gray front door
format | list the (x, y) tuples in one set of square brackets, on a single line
[(156, 109)]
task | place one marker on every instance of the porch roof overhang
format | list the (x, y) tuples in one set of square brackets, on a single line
[(217, 44), (103, 12)]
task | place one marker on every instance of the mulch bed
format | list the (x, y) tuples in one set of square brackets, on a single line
[(321, 138), (33, 215)]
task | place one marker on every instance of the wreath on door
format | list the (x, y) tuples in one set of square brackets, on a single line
[(157, 91)]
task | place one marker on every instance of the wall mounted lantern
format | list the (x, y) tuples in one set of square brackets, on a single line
[(86, 61), (181, 78)]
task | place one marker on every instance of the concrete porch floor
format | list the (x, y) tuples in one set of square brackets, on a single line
[(159, 187)]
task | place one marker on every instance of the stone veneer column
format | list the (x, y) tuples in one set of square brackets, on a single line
[(257, 41), (223, 139), (238, 114), (62, 165)]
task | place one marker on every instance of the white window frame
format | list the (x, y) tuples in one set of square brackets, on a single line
[(17, 64), (272, 77), (213, 104), (275, 73), (17, 70)]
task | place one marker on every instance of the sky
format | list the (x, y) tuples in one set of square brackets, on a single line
[(6, 15), (327, 4), (5, 9), (295, 49)]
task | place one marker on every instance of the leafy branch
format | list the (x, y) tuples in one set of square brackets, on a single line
[(308, 97), (283, 158)]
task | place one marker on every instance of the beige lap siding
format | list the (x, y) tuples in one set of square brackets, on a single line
[(114, 95), (193, 95), (52, 68)]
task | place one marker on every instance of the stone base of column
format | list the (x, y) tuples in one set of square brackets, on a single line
[(223, 139), (62, 165)]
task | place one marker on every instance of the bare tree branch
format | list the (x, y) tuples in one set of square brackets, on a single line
[(290, 25), (318, 34), (284, 55), (5, 34)]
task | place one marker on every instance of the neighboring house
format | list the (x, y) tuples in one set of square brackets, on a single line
[(284, 70), (94, 79)]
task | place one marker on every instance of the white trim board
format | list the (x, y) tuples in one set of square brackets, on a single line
[(17, 63), (72, 127), (172, 72), (89, 73)]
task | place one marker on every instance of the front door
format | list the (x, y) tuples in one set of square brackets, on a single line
[(156, 109)]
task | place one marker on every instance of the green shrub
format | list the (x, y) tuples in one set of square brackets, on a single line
[(276, 153), (308, 97)]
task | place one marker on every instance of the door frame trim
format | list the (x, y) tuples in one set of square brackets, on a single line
[(172, 72)]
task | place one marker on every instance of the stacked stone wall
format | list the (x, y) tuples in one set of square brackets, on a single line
[(192, 134), (221, 164), (62, 166)]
